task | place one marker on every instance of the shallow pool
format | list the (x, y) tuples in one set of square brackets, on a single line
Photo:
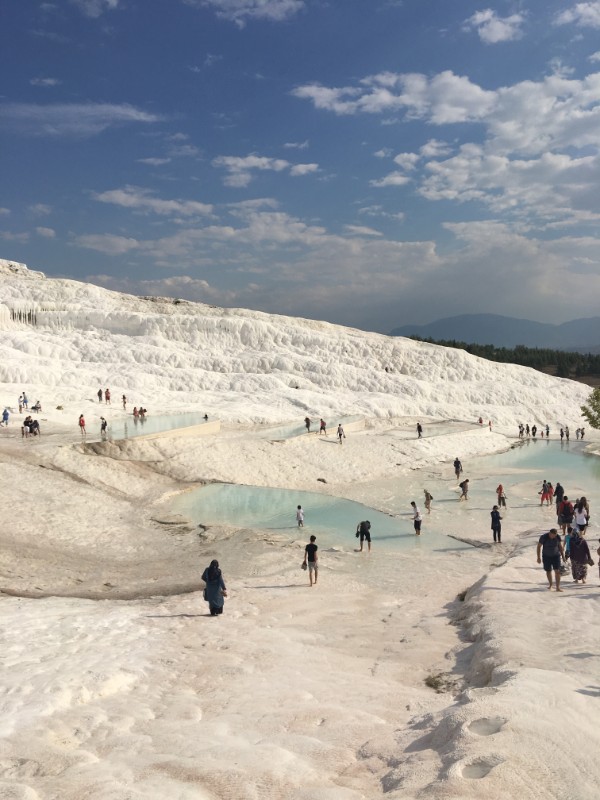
[(132, 426), (332, 519)]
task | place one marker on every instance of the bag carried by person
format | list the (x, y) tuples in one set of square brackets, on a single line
[(303, 565)]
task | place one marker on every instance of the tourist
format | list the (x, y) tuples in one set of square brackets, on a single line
[(490, 425), (565, 513), (579, 554), (547, 431), (464, 487), (103, 427), (567, 432), (581, 514), (457, 467), (5, 417), (550, 548), (107, 396), (215, 590), (428, 499), (81, 424), (582, 433), (417, 518), (99, 395), (322, 427), (419, 430), (25, 401), (545, 494), (37, 407), (312, 559), (300, 517), (562, 434), (558, 495), (340, 434), (136, 413), (501, 496), (363, 530), (496, 524), (124, 401), (307, 424)]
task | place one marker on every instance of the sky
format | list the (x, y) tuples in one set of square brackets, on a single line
[(371, 163)]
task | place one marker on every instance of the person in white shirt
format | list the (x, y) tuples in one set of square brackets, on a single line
[(417, 519)]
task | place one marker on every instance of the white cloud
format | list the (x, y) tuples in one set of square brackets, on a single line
[(435, 149), (95, 8), (385, 152), (407, 161), (153, 162), (361, 230), (239, 169), (586, 15), (239, 11), (184, 151), (445, 98), (70, 119), (4, 212), (379, 211), (393, 179), (45, 82), (594, 56), (297, 145), (303, 169), (106, 243), (493, 29), (46, 233), (40, 209), (144, 200), (8, 236)]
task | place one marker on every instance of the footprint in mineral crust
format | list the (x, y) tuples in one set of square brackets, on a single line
[(477, 769), (486, 726)]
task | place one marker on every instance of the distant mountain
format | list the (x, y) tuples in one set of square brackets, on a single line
[(582, 335)]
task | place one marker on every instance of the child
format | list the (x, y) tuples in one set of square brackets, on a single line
[(300, 517)]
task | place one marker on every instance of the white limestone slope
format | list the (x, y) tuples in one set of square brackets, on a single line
[(61, 336)]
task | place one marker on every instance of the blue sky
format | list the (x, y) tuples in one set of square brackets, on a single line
[(371, 163)]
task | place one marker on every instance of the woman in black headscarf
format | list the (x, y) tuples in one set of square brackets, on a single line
[(215, 591), (579, 553)]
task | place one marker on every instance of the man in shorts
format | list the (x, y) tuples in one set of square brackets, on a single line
[(550, 547), (363, 530), (311, 558)]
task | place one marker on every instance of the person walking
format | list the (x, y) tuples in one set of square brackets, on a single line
[(457, 467), (496, 524), (428, 499), (5, 417), (581, 514), (300, 517), (103, 427), (565, 513), (20, 404), (107, 396), (312, 560), (417, 518), (550, 551), (419, 430), (99, 395), (124, 401), (545, 494), (580, 557), (81, 424), (340, 434), (464, 487), (215, 590), (363, 530), (501, 496), (559, 493), (322, 427), (25, 401)]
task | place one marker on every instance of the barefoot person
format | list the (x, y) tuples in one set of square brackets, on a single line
[(550, 548), (312, 559), (417, 518), (428, 499), (363, 530), (215, 590), (300, 516)]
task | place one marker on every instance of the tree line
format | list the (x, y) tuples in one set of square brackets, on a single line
[(561, 363)]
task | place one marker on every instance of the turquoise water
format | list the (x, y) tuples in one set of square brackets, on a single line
[(332, 519), (291, 431), (127, 428)]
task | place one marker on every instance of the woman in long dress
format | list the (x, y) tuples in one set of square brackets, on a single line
[(215, 590), (579, 553)]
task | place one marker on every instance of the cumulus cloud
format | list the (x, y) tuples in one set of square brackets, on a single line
[(95, 8), (443, 99), (70, 119), (393, 179), (585, 15), (240, 168), (106, 243), (492, 28), (240, 11), (594, 57), (145, 201)]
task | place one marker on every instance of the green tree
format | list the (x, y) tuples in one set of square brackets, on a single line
[(592, 411)]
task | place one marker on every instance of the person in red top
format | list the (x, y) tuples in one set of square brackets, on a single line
[(565, 514), (82, 424), (107, 396)]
